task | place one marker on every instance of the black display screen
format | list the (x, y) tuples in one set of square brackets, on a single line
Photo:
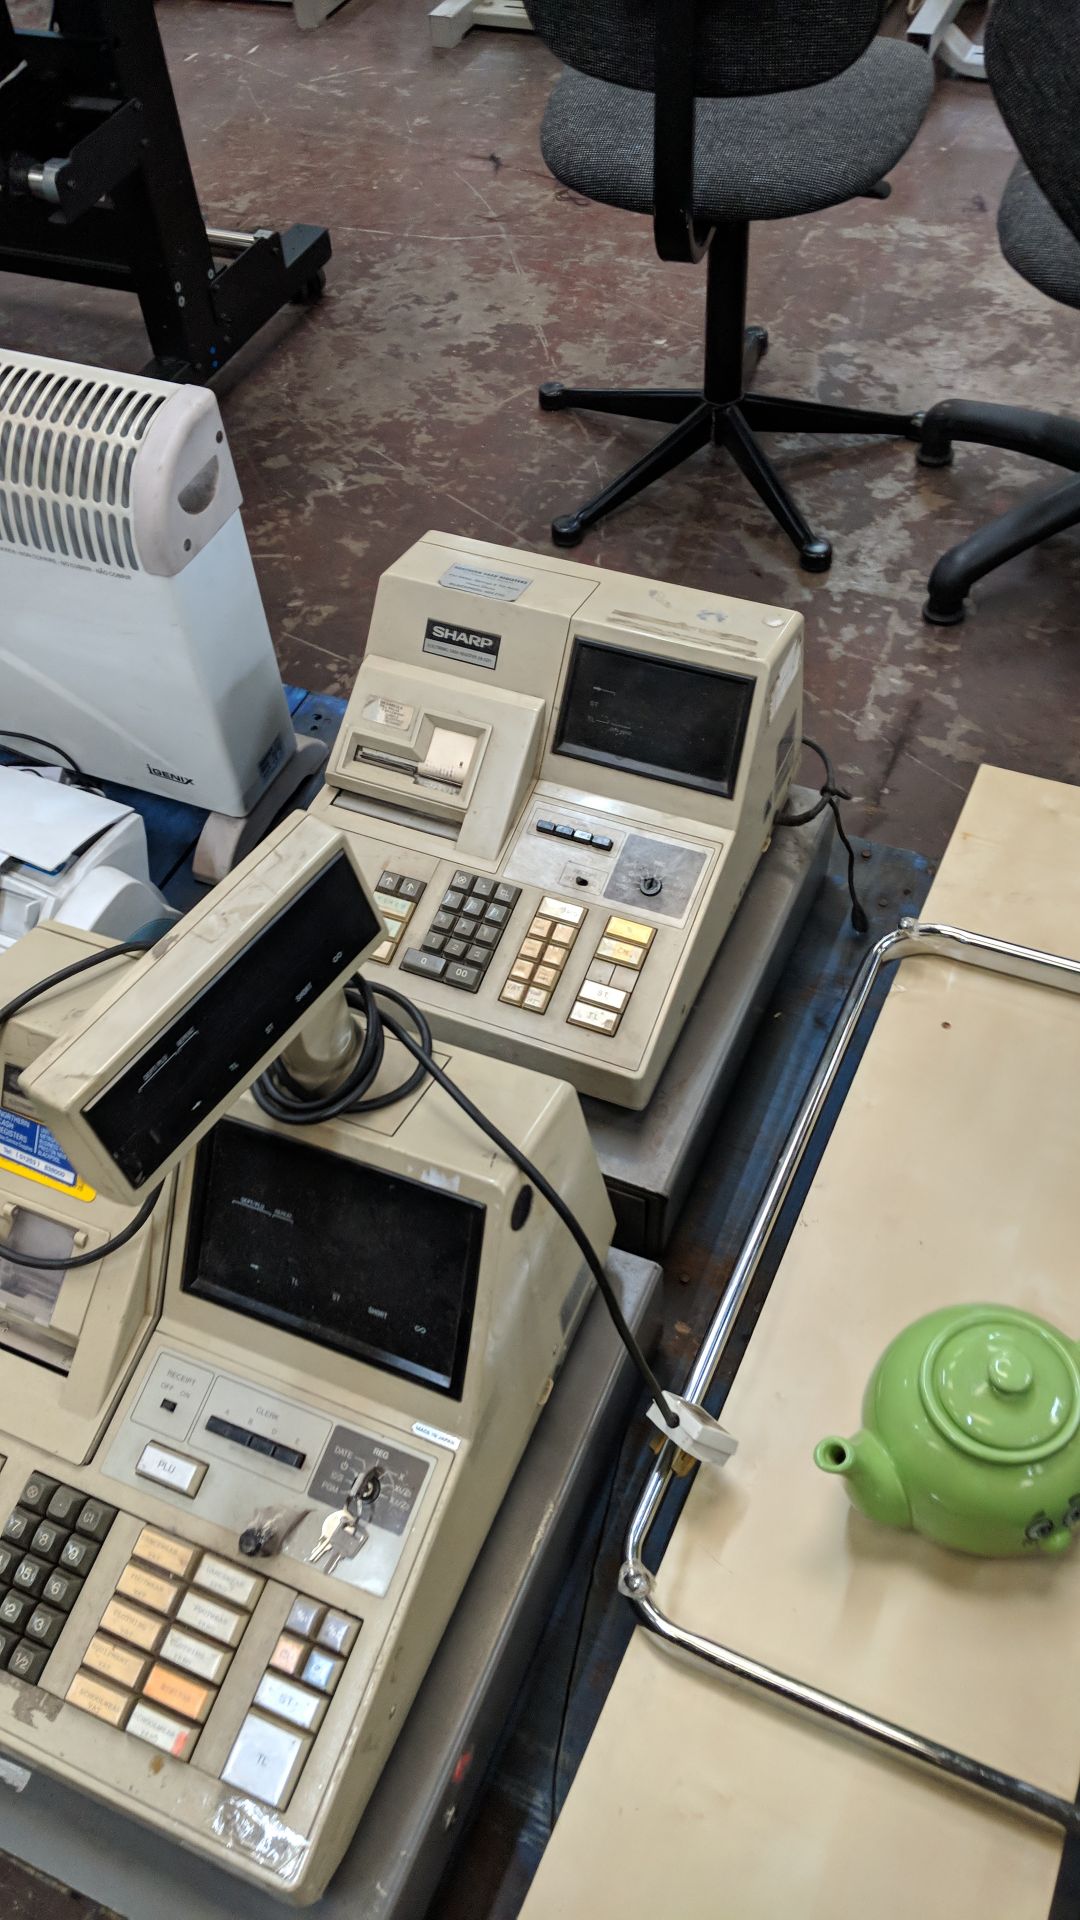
[(654, 716), (213, 1044), (364, 1261)]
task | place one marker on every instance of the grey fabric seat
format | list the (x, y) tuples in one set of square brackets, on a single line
[(709, 115), (1036, 241), (765, 157)]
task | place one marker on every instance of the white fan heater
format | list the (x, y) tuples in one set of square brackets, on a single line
[(132, 632)]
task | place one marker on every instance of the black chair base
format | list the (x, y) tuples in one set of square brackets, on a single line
[(721, 413), (1020, 430)]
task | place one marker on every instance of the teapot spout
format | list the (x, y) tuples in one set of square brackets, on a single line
[(873, 1484)]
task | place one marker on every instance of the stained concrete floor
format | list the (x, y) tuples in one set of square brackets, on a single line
[(463, 275)]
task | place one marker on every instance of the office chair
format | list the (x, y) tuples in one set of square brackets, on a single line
[(1033, 65), (740, 110)]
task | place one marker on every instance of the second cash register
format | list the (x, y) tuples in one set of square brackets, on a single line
[(560, 781)]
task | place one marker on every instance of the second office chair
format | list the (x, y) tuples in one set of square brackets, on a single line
[(738, 110)]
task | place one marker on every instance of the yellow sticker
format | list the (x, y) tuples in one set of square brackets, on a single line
[(78, 1191)]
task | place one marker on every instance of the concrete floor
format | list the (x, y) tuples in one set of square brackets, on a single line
[(463, 275)]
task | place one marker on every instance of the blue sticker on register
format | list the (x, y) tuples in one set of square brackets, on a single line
[(26, 1143)]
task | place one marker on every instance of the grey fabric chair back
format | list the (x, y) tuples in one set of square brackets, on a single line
[(1033, 66), (743, 46)]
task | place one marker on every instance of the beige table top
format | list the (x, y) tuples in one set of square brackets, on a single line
[(952, 1175)]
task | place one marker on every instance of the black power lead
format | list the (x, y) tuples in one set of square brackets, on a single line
[(58, 753), (830, 795)]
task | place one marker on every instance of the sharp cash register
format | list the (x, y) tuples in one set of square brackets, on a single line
[(255, 1429), (559, 782)]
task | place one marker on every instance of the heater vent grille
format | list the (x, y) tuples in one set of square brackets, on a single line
[(68, 443)]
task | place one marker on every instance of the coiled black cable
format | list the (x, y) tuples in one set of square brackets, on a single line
[(830, 795)]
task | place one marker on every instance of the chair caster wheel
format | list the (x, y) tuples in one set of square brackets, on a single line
[(816, 556), (925, 458), (567, 530), (311, 292), (551, 396), (943, 616)]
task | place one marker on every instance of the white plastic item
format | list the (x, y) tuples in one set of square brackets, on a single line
[(132, 633), (73, 856)]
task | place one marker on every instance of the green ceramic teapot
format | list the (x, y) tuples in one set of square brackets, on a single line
[(970, 1434)]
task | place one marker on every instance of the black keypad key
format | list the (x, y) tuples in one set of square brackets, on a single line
[(388, 883), (489, 936), (483, 888), (564, 833), (48, 1541), (443, 922), (459, 975), (465, 925), (28, 1662), (8, 1644), (30, 1575), (95, 1520), (507, 896), (410, 889), (65, 1504), (261, 1443), (479, 956), (545, 826), (433, 942), (496, 916), (452, 900), (603, 841), (19, 1527), (463, 881), (15, 1610), (474, 906), (37, 1492), (44, 1626), (62, 1590), (432, 964), (455, 949), (78, 1555), (9, 1560)]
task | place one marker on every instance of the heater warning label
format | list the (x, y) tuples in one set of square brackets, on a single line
[(28, 1148)]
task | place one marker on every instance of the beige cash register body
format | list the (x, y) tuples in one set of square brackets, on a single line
[(559, 781), (371, 1306)]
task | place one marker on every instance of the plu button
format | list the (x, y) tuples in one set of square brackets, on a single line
[(168, 1469)]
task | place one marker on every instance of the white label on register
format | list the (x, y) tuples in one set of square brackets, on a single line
[(441, 1439), (789, 667), (485, 582), (381, 712)]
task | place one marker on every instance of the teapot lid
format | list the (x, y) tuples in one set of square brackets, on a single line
[(1002, 1385)]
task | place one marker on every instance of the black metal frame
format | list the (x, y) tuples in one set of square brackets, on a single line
[(96, 187), (1045, 512), (722, 412)]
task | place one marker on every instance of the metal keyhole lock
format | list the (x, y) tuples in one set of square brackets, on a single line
[(650, 885)]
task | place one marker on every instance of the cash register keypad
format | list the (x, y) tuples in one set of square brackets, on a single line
[(396, 897), (272, 1745), (461, 941), (612, 975), (543, 954), (165, 1641), (48, 1544)]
